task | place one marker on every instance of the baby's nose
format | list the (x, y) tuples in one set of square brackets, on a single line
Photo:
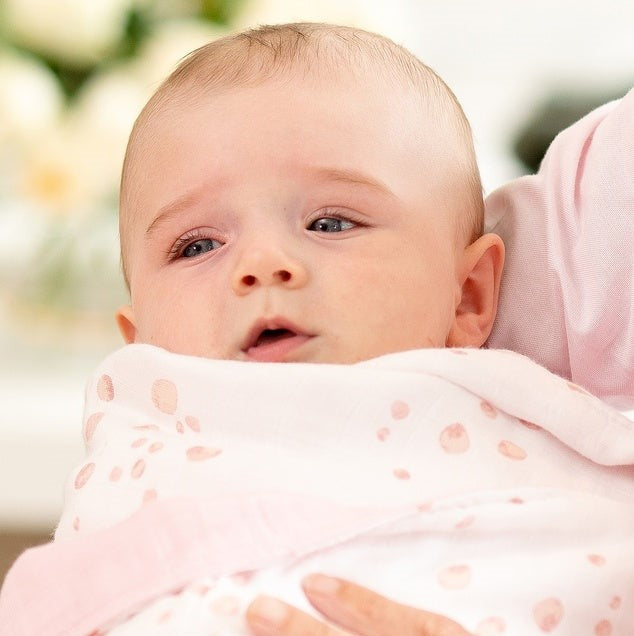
[(265, 269)]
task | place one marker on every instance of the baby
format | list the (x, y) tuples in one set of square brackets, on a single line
[(308, 193)]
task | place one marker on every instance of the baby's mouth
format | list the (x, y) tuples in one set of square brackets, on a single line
[(271, 341), (269, 336)]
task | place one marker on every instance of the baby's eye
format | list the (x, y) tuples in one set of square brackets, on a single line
[(330, 224), (194, 243), (201, 246)]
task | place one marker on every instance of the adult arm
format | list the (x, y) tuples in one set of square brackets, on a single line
[(567, 293)]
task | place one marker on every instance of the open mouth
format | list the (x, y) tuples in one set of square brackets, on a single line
[(269, 336), (271, 341)]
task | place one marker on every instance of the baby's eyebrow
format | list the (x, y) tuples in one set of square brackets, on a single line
[(353, 177), (174, 208)]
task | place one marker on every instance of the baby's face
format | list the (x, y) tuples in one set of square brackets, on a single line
[(286, 223)]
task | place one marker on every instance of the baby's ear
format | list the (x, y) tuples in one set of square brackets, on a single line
[(479, 275), (125, 322)]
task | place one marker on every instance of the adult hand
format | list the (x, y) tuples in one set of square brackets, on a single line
[(352, 608)]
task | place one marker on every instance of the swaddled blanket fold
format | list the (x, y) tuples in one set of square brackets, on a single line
[(473, 483)]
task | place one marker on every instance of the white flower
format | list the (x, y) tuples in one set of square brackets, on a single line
[(102, 119), (31, 99), (53, 176), (79, 32)]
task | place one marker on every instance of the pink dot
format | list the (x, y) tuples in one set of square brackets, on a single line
[(105, 388), (115, 474), (76, 524), (516, 500), (201, 453), (383, 433), (154, 447), (615, 602), (596, 559), (84, 475), (399, 410), (137, 469), (488, 409), (492, 626), (548, 614), (603, 628), (465, 523), (425, 506), (401, 473), (149, 496), (165, 396), (454, 439), (512, 451), (179, 427), (530, 425), (138, 442), (91, 425), (193, 423), (455, 577)]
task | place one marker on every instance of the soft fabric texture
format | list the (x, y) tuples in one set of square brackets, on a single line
[(473, 483), (567, 294)]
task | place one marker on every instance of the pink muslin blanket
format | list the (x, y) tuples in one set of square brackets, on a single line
[(473, 483)]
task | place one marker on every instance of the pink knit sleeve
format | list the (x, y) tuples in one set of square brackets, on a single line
[(567, 296)]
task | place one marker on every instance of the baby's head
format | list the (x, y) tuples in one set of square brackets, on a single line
[(304, 193)]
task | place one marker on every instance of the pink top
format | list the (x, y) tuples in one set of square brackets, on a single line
[(567, 296)]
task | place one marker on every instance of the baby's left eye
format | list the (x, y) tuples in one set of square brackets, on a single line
[(330, 224)]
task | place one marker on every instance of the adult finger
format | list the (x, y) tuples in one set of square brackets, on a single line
[(267, 616), (364, 612)]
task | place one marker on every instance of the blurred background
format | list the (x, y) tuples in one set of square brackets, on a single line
[(73, 76)]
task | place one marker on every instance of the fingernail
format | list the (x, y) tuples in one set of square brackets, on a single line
[(321, 585), (269, 611)]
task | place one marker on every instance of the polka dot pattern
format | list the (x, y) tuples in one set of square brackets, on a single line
[(603, 628), (488, 409), (511, 450), (84, 475), (413, 446), (596, 559), (193, 423), (105, 388), (202, 453), (91, 425), (165, 396), (548, 614), (399, 410), (454, 439), (138, 469), (401, 473)]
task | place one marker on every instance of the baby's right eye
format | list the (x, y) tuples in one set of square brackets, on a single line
[(193, 244), (200, 247)]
